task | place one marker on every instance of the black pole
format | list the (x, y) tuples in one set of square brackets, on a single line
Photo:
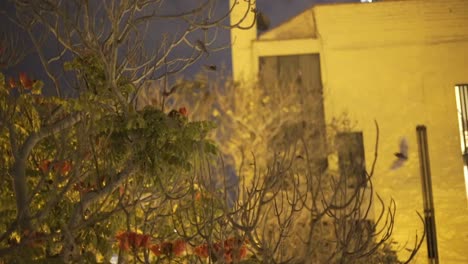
[(428, 201)]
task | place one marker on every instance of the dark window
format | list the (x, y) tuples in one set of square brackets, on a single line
[(351, 158)]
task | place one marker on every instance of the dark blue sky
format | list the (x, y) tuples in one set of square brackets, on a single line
[(281, 10), (278, 12)]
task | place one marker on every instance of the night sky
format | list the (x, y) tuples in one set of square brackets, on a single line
[(278, 11)]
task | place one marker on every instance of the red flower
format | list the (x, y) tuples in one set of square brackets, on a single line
[(123, 241), (134, 240), (201, 251), (121, 190), (165, 248), (44, 166), (239, 253), (65, 167), (62, 167), (179, 247), (231, 250), (25, 81), (234, 250), (232, 242), (156, 249), (183, 111), (145, 241), (198, 196), (12, 82), (242, 252)]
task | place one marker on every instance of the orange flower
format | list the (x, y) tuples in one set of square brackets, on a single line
[(12, 83), (201, 251), (227, 257), (242, 252), (65, 167), (121, 190), (44, 166), (234, 250), (238, 254), (25, 81), (198, 196), (145, 241), (165, 248), (179, 247), (62, 167), (134, 240), (183, 111), (232, 242), (123, 241), (156, 249)]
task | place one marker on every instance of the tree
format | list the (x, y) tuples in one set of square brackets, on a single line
[(92, 174), (81, 167), (298, 199)]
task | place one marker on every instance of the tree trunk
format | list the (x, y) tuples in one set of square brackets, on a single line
[(21, 192)]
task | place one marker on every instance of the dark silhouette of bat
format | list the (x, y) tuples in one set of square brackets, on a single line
[(211, 67), (402, 155), (201, 46)]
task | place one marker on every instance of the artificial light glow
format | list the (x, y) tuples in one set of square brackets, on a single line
[(114, 259), (463, 133), (366, 1), (465, 172)]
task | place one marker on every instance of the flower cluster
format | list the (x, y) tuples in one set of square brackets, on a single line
[(133, 240), (63, 167), (183, 111), (25, 83), (176, 248), (231, 249), (129, 239)]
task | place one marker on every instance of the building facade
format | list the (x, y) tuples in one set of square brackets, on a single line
[(400, 63)]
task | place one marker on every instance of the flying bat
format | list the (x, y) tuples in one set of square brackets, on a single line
[(401, 156), (211, 67), (201, 46)]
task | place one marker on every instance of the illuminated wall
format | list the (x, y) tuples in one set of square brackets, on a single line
[(396, 62)]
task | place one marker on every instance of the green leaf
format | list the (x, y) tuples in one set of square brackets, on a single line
[(37, 87), (2, 80)]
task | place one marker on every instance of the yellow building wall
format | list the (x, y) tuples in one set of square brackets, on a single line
[(243, 33), (397, 63), (299, 27)]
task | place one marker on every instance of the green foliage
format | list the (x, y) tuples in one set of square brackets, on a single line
[(91, 70), (83, 160)]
